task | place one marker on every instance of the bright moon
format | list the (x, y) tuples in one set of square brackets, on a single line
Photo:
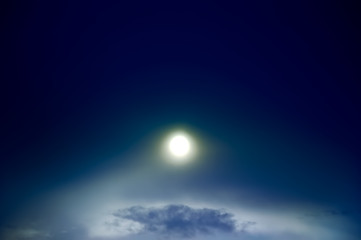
[(179, 146)]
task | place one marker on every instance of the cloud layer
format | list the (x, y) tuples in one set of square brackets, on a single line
[(177, 220)]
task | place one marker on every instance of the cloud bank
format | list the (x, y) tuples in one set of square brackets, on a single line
[(177, 220)]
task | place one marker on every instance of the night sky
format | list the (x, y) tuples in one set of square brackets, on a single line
[(270, 91)]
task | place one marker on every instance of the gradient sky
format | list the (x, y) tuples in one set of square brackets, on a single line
[(269, 90)]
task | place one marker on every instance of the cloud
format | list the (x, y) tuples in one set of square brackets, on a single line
[(177, 220)]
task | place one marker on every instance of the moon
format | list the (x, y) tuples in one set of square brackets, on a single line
[(179, 146)]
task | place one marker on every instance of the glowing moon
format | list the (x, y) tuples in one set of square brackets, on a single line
[(179, 146)]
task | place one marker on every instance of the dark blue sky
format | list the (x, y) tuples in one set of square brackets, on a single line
[(274, 84)]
